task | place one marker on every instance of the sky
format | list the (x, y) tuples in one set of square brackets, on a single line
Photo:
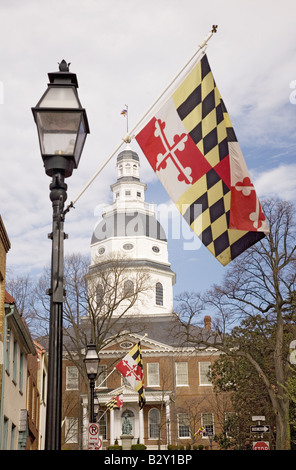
[(126, 52)]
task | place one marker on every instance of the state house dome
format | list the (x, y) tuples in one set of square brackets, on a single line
[(127, 224)]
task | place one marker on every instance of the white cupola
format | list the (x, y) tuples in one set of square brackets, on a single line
[(129, 228)]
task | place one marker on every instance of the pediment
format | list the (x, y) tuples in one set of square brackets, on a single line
[(125, 342)]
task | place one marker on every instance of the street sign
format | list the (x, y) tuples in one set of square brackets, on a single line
[(97, 446), (258, 418), (261, 445), (260, 428), (93, 433)]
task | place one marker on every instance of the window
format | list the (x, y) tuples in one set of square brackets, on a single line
[(139, 194), (71, 430), (128, 288), (154, 423), (103, 426), (102, 375), (7, 352), (128, 246), (181, 373), (153, 374), (207, 421), (12, 437), (71, 378), (99, 295), (21, 372), (5, 433), (14, 361), (183, 425), (159, 294), (204, 369)]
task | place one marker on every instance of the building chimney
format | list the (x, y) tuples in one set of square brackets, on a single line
[(207, 321)]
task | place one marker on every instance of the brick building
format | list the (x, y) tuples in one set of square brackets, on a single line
[(4, 248), (178, 393)]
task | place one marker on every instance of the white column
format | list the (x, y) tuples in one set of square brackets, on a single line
[(111, 427), (168, 421), (84, 423), (141, 426)]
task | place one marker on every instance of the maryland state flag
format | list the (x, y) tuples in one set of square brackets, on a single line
[(115, 403), (191, 145), (131, 367)]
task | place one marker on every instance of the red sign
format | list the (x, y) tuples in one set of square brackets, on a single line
[(93, 433), (261, 445), (97, 446)]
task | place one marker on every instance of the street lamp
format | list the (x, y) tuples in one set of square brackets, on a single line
[(91, 362), (62, 129)]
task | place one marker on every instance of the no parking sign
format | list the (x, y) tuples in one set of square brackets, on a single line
[(95, 442)]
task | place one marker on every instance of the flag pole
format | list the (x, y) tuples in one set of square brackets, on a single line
[(143, 337), (127, 139), (200, 47), (107, 377), (126, 118)]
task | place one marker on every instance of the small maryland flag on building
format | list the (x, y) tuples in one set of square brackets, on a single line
[(131, 367), (192, 147), (115, 403)]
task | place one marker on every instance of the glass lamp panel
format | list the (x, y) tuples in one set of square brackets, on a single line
[(58, 132), (59, 97), (91, 367), (80, 140), (92, 361)]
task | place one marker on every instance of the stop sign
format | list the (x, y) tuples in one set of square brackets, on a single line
[(261, 445)]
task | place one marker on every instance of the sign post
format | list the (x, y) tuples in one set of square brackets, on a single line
[(94, 440), (260, 428)]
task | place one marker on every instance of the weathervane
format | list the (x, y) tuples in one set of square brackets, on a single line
[(124, 112)]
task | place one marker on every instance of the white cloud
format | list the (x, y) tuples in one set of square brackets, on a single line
[(277, 182)]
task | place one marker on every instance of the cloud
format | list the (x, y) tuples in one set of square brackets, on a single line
[(277, 182)]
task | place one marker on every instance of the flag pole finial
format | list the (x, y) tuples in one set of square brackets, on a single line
[(214, 28)]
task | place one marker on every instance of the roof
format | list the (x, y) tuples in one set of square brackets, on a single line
[(8, 298), (167, 330), (128, 224), (19, 324)]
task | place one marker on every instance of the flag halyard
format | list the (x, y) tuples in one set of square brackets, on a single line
[(191, 145)]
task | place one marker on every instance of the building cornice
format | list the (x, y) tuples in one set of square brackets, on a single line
[(4, 237)]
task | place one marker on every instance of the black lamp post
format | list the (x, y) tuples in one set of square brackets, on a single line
[(62, 128), (92, 361)]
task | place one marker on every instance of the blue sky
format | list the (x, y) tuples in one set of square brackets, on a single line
[(126, 53)]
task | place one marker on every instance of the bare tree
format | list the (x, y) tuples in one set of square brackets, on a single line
[(260, 286), (98, 304)]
